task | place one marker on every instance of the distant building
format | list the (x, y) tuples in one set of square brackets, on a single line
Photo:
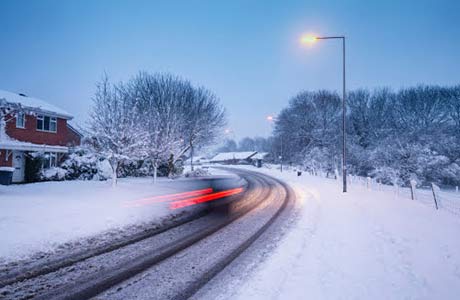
[(233, 158), (36, 127), (197, 160)]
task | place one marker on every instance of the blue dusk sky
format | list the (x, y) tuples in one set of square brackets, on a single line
[(247, 52)]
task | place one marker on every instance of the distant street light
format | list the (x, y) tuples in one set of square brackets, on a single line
[(308, 39), (271, 119), (229, 133)]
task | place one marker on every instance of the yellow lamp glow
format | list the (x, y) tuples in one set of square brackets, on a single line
[(308, 39)]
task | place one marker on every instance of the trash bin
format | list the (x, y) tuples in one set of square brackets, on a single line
[(6, 175), (259, 163)]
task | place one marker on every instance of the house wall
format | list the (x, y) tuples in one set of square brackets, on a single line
[(73, 138), (3, 161), (32, 135)]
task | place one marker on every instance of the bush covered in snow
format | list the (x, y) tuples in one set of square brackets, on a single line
[(199, 172), (53, 174), (84, 164), (33, 167)]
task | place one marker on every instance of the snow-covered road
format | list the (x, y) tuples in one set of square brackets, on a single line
[(50, 215), (360, 245), (170, 264)]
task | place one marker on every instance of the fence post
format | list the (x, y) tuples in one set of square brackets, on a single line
[(413, 185), (433, 188), (368, 183), (396, 188)]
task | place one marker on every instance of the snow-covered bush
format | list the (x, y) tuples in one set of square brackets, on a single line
[(320, 159), (33, 167), (136, 168), (53, 174), (199, 172), (386, 175), (104, 170), (451, 174), (84, 164)]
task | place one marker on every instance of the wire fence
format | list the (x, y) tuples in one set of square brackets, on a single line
[(447, 199), (434, 196)]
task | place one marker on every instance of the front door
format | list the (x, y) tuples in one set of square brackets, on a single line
[(19, 166)]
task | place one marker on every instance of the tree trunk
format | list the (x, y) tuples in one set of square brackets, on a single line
[(191, 156), (114, 165), (155, 169)]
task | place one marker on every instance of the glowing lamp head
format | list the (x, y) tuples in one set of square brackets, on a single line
[(308, 39), (270, 118)]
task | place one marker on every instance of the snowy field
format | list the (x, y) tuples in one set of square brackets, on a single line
[(359, 245), (41, 216)]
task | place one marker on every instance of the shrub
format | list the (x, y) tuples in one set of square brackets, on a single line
[(197, 173), (53, 174), (33, 167)]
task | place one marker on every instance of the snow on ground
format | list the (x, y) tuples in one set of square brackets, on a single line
[(359, 245), (38, 217)]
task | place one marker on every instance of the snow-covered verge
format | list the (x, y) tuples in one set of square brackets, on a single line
[(359, 245), (41, 217)]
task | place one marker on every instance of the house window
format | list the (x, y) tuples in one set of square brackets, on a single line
[(20, 120), (49, 160), (45, 123)]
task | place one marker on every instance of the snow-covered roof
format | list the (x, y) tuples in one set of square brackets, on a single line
[(233, 155), (260, 155), (34, 104), (25, 146)]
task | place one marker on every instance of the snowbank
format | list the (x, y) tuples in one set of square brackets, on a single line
[(359, 245), (38, 217)]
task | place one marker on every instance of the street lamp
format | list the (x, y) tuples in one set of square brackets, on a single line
[(271, 119), (308, 39)]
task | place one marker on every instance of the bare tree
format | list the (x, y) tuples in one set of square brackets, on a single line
[(177, 116), (114, 126), (203, 120)]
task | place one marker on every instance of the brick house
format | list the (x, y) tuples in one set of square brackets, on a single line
[(34, 126)]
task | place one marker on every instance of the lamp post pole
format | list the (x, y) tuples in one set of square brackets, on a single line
[(271, 119), (281, 154), (344, 110)]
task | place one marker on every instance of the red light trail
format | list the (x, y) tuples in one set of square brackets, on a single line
[(204, 198), (167, 198), (180, 200)]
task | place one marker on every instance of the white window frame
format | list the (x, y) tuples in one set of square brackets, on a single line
[(53, 120), (21, 116), (51, 160)]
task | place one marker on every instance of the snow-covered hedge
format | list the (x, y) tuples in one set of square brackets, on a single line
[(199, 172), (84, 164), (53, 174)]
